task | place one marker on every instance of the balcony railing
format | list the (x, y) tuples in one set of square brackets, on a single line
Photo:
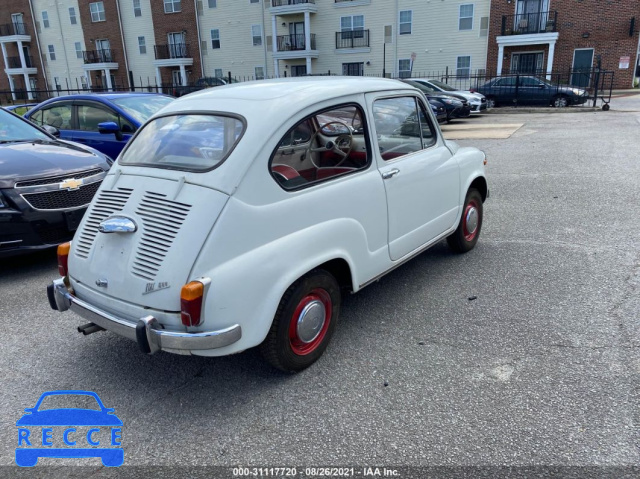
[(106, 55), (10, 29), (172, 50), (287, 43), (282, 3), (527, 23), (352, 39), (14, 62)]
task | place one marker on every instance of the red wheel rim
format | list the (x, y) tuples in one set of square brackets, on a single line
[(471, 220), (311, 317)]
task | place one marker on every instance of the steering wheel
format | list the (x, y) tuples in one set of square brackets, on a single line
[(337, 145)]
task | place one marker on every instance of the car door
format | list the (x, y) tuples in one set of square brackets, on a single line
[(89, 115), (421, 176), (504, 90), (59, 115), (532, 91)]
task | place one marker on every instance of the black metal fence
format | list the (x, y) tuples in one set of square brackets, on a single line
[(570, 88)]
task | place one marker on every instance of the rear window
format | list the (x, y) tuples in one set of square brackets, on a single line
[(184, 142)]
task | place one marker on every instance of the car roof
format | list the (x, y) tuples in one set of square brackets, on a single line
[(298, 92), (102, 97)]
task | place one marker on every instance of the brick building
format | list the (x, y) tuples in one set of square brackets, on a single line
[(23, 71), (563, 35)]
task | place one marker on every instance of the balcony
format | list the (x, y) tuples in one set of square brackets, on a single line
[(11, 29), (106, 55), (14, 62), (289, 43), (352, 39), (282, 3), (293, 7), (530, 23), (172, 50)]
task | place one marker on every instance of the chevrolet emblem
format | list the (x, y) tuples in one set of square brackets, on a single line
[(71, 184)]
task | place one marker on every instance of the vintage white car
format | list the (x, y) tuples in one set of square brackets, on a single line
[(238, 216)]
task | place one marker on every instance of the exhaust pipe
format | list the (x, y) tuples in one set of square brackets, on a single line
[(89, 328)]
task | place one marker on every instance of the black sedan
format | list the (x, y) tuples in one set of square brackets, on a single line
[(529, 90), (439, 110), (455, 105), (46, 185)]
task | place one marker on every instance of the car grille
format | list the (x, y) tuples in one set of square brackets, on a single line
[(55, 235), (62, 199), (52, 180), (162, 220), (107, 203)]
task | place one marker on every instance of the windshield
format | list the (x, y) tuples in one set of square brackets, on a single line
[(184, 142), (14, 129), (141, 108), (422, 86), (442, 85)]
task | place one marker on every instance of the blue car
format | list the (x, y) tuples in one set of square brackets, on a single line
[(69, 444), (102, 121)]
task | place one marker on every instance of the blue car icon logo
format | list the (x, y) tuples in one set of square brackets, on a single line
[(72, 432)]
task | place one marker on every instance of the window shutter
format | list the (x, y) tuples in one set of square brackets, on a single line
[(484, 26), (203, 47), (388, 33)]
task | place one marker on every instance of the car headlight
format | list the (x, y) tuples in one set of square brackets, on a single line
[(575, 91)]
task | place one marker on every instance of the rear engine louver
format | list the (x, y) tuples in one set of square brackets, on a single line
[(107, 203), (162, 220)]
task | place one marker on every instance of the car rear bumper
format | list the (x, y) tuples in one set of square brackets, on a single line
[(147, 332)]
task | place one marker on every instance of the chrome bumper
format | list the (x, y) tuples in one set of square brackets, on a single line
[(147, 332)]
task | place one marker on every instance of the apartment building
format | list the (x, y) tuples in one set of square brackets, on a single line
[(124, 43), (564, 35)]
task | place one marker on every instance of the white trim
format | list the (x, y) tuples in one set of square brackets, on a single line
[(470, 63), (528, 39), (399, 23), (573, 61), (340, 51), (352, 3), (473, 14)]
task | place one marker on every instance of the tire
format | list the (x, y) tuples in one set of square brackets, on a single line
[(560, 101), (605, 107), (491, 102), (465, 237), (316, 297)]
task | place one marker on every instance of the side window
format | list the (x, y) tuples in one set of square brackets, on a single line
[(429, 137), (89, 117), (328, 144), (398, 126), (530, 82), (58, 116), (509, 81)]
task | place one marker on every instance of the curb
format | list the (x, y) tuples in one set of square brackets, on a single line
[(517, 110)]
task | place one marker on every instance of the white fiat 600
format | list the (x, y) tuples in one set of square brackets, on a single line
[(237, 216)]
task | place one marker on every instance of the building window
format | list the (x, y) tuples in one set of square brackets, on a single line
[(405, 22), (137, 9), (353, 69), (97, 12), (172, 6), (78, 46), (259, 72), (142, 45), (465, 22), (484, 26), (463, 67), (213, 4), (52, 53), (45, 19), (215, 38), (404, 68), (72, 16), (218, 73), (254, 1), (352, 27), (256, 33)]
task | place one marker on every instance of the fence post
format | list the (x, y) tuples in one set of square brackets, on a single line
[(229, 77)]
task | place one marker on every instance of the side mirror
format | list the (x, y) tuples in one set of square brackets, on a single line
[(108, 127), (542, 86), (52, 130)]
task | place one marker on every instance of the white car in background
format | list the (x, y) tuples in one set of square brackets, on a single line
[(477, 101), (239, 215)]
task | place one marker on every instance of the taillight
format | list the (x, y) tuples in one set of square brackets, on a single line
[(63, 259), (191, 303)]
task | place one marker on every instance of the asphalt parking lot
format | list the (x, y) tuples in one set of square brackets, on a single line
[(524, 352)]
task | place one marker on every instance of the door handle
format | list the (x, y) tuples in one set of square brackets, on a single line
[(389, 174)]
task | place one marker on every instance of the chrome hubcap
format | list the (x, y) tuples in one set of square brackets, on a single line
[(472, 220), (310, 321)]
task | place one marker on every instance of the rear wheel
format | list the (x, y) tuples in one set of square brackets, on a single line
[(304, 322), (466, 235), (491, 102)]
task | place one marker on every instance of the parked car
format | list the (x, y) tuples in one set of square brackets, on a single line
[(456, 105), (439, 110), (529, 90), (224, 226), (45, 185), (201, 84), (477, 101), (104, 121), (20, 109)]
